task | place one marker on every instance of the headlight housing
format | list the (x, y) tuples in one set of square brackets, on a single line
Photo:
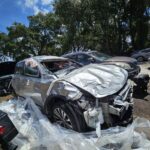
[(124, 66)]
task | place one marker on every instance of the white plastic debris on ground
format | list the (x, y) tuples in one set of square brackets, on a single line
[(37, 133)]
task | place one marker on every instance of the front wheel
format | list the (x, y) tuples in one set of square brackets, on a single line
[(64, 115)]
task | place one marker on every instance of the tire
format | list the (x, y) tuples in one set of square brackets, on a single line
[(64, 115), (13, 93), (140, 59)]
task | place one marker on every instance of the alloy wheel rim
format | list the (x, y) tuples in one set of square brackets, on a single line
[(62, 118)]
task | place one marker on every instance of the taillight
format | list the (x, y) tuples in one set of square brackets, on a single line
[(2, 130)]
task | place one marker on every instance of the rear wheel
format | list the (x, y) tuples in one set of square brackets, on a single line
[(64, 115), (140, 59)]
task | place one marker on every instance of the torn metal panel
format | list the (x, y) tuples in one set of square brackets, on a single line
[(65, 89), (93, 116)]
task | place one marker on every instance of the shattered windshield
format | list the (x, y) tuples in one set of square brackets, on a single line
[(58, 67), (100, 56)]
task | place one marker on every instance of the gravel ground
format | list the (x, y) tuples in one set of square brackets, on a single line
[(142, 101), (145, 68)]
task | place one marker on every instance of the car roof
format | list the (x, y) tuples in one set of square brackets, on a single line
[(146, 49), (48, 58), (140, 50)]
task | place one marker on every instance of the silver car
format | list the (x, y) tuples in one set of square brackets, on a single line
[(78, 98), (141, 55)]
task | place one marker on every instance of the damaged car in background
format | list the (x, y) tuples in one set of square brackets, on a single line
[(6, 74), (75, 97), (87, 57), (129, 64)]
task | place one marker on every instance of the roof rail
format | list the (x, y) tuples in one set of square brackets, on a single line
[(77, 50)]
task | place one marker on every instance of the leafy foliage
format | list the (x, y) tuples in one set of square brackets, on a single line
[(112, 26)]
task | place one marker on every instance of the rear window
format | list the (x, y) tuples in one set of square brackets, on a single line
[(146, 51), (19, 68), (72, 57)]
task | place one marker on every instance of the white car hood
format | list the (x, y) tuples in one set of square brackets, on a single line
[(98, 80)]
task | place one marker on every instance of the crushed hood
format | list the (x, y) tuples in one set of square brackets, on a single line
[(121, 59), (98, 80)]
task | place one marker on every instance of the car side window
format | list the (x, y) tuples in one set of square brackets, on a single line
[(146, 51), (19, 68), (73, 57), (83, 59), (31, 69)]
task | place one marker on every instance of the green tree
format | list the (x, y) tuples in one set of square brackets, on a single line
[(44, 31), (139, 22), (3, 41), (43, 36), (104, 25)]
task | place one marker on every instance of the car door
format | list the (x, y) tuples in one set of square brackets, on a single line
[(31, 81), (36, 81)]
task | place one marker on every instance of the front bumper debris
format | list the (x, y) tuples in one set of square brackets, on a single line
[(118, 110), (93, 116)]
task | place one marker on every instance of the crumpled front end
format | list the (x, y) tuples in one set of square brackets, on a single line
[(100, 91), (112, 110)]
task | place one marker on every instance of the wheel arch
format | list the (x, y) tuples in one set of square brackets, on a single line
[(75, 111)]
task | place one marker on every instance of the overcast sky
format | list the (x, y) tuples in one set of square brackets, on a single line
[(18, 10)]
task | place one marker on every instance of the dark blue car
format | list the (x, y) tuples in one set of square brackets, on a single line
[(87, 57)]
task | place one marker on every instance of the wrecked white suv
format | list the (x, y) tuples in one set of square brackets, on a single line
[(76, 97)]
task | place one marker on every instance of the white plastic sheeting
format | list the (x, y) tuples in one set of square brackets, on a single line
[(37, 133)]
